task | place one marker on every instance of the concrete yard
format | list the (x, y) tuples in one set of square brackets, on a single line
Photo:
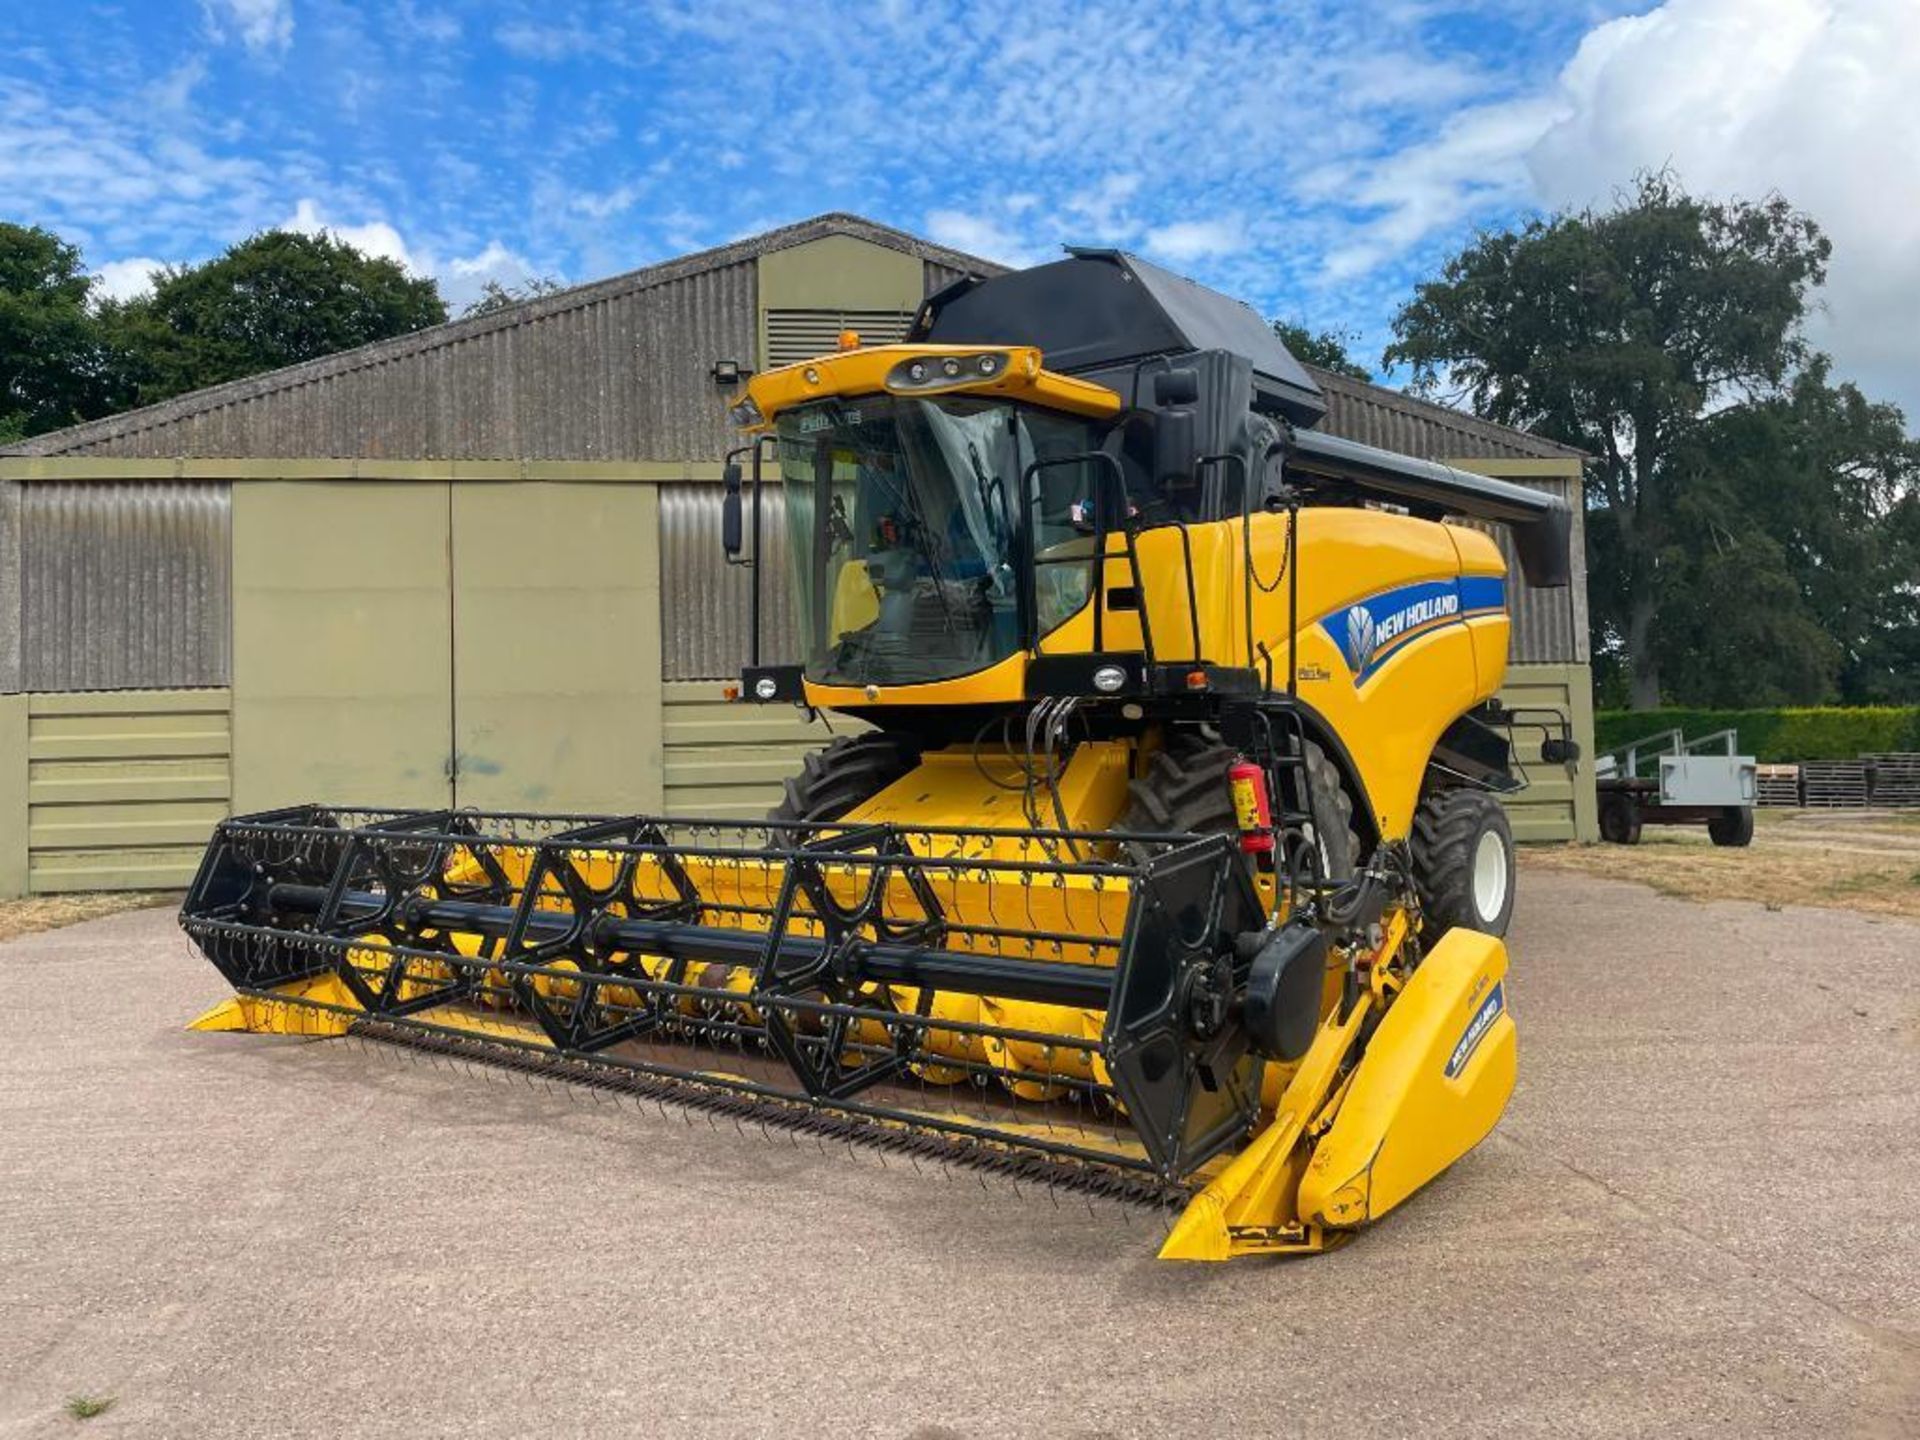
[(1700, 1216)]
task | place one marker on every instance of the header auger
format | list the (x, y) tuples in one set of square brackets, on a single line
[(1168, 867)]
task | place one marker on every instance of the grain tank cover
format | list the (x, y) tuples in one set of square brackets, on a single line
[(1100, 309)]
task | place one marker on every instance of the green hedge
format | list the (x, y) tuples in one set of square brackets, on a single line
[(1816, 733)]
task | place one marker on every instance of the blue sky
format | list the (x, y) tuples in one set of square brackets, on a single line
[(1315, 157)]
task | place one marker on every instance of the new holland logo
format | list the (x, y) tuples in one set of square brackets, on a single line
[(1361, 637), (1477, 1029)]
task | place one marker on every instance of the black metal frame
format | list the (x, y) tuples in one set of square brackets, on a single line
[(590, 927)]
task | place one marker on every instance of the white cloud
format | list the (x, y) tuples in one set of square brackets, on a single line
[(462, 278), (372, 237), (124, 279), (979, 235), (1815, 99), (545, 42), (264, 26), (1197, 239)]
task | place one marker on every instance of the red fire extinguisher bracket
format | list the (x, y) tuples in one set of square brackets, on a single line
[(1252, 806)]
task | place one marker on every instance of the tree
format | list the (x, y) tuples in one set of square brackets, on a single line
[(495, 296), (51, 365), (1819, 487), (275, 299), (1325, 348), (1624, 333)]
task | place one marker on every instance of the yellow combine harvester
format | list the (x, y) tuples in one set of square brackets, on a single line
[(1168, 864)]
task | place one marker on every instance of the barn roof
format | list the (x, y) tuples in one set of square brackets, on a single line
[(564, 376)]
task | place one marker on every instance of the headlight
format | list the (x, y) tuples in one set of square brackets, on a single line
[(942, 372), (747, 413)]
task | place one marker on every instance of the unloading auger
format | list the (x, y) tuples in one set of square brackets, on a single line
[(1168, 865)]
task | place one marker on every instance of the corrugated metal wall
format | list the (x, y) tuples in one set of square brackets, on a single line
[(704, 602), (126, 584)]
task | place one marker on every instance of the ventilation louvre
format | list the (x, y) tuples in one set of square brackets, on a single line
[(796, 335)]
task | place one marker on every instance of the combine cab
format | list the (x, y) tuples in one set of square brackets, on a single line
[(1170, 866)]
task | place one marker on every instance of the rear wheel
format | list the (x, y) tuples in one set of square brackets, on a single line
[(1463, 863), (1733, 826), (844, 774)]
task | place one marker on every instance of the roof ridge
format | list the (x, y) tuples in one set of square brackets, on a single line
[(467, 327)]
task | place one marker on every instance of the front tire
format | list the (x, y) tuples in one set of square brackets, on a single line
[(1463, 864), (845, 773), (1733, 826)]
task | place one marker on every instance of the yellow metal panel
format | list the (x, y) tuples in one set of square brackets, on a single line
[(56, 872), (13, 796), (1432, 1083), (342, 644), (122, 787), (129, 734), (840, 272), (761, 766), (148, 704), (72, 782), (869, 370), (557, 646), (1555, 806), (135, 823), (726, 759)]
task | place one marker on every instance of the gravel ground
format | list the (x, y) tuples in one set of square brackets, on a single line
[(1700, 1216)]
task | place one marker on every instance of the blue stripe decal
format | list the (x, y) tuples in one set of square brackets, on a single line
[(1482, 592), (1368, 632)]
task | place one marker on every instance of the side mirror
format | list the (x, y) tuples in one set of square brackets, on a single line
[(1176, 387), (731, 528), (1176, 445)]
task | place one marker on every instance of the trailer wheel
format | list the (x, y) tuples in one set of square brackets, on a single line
[(1732, 826), (1463, 863), (846, 772), (1619, 820)]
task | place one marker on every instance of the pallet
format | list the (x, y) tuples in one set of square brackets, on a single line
[(1894, 779), (1777, 786), (1834, 784)]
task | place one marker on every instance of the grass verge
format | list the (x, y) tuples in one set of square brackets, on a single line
[(51, 912)]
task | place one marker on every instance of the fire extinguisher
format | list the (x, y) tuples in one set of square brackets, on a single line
[(1252, 807)]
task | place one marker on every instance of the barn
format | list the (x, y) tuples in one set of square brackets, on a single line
[(479, 566)]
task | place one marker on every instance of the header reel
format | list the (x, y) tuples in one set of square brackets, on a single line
[(987, 987)]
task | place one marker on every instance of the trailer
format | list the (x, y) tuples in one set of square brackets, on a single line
[(1667, 779)]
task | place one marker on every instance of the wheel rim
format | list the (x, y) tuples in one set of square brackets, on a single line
[(1490, 875)]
